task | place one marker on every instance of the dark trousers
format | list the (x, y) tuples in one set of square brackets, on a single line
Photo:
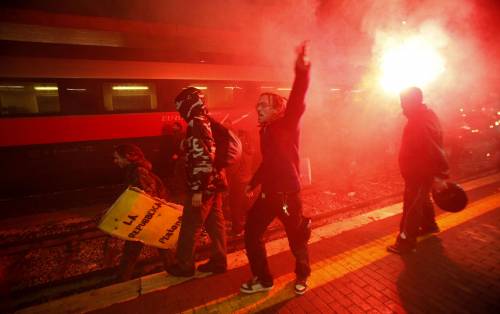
[(193, 219), (418, 211), (238, 205), (130, 256), (261, 214)]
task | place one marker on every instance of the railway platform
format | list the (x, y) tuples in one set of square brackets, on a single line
[(454, 271)]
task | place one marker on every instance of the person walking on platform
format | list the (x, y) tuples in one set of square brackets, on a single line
[(203, 204), (278, 176), (239, 176), (176, 180), (423, 166), (138, 173)]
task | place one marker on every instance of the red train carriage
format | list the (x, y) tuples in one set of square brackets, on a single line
[(60, 118)]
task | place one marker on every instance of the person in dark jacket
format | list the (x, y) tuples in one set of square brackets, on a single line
[(138, 173), (279, 178), (423, 166), (177, 175), (239, 175), (203, 204)]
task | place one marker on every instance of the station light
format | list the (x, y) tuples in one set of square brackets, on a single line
[(283, 88), (232, 87), (335, 89), (130, 87)]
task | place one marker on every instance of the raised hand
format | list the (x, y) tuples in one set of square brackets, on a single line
[(303, 62)]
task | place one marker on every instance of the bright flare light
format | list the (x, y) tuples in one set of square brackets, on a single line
[(415, 62)]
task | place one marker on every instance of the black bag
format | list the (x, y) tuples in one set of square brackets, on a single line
[(452, 199), (228, 146)]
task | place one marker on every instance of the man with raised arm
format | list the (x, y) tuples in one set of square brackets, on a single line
[(279, 178)]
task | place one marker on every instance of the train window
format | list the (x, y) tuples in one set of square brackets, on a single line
[(167, 91), (219, 94), (224, 94), (80, 96), (130, 97), (21, 98)]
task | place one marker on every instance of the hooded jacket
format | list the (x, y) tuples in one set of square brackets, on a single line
[(199, 147)]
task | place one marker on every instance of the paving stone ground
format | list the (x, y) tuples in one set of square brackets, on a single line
[(455, 271)]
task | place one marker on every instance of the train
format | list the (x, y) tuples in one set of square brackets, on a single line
[(60, 118)]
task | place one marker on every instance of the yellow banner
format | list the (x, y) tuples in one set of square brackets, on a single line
[(136, 216)]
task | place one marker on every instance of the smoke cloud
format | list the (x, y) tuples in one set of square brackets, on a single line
[(350, 122)]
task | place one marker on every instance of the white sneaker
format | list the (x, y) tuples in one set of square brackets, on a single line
[(300, 286), (254, 285)]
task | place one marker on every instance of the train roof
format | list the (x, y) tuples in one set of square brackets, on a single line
[(26, 67)]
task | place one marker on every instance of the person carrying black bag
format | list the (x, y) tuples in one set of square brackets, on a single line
[(423, 166)]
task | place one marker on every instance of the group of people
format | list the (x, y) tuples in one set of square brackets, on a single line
[(276, 183)]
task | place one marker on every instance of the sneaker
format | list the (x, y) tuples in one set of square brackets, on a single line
[(177, 271), (210, 267), (423, 231), (254, 285), (402, 246), (300, 286)]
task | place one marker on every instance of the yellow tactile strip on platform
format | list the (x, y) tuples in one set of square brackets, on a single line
[(337, 266), (333, 267)]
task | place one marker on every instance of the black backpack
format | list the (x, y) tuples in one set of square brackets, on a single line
[(228, 146)]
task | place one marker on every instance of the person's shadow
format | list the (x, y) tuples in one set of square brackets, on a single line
[(431, 282)]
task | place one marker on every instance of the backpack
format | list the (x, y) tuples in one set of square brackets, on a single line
[(228, 147)]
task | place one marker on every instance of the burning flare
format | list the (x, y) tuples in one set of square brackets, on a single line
[(411, 62)]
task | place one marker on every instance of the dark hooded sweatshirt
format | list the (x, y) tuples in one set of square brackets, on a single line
[(279, 143), (422, 156)]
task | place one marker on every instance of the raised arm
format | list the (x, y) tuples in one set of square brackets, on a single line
[(296, 105)]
